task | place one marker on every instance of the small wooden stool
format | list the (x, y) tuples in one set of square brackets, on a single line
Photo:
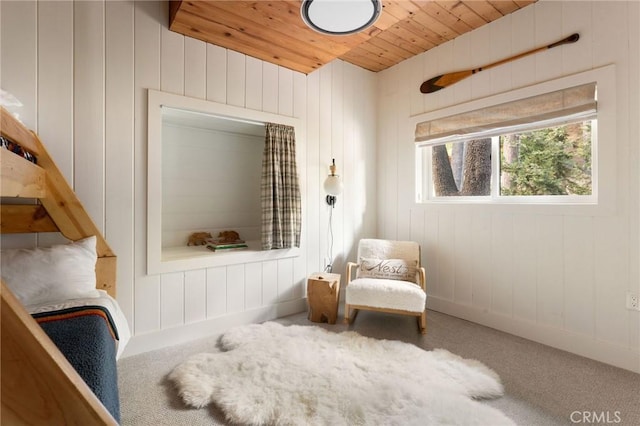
[(323, 296)]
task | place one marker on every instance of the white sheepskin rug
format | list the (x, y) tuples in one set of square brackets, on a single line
[(305, 375)]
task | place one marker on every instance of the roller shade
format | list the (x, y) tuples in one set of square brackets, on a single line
[(575, 102)]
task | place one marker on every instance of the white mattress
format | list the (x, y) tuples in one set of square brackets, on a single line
[(103, 300)]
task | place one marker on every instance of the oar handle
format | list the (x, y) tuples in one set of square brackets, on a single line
[(571, 39), (440, 82)]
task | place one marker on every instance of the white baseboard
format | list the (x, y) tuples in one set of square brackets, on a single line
[(561, 339), (210, 327), (578, 344)]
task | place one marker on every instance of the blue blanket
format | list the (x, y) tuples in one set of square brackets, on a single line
[(86, 336)]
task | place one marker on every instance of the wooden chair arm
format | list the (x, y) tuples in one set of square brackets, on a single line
[(422, 278), (350, 265)]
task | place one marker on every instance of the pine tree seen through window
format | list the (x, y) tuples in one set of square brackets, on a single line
[(551, 161)]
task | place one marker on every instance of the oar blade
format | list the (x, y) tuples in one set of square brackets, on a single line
[(431, 85), (440, 82)]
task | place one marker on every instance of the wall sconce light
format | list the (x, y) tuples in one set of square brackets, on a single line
[(340, 17), (332, 185)]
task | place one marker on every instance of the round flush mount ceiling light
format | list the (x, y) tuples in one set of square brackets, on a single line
[(340, 17)]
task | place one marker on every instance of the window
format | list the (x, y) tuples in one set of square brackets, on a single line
[(553, 161), (550, 161), (535, 149)]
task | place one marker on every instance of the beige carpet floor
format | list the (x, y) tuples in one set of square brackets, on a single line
[(543, 386)]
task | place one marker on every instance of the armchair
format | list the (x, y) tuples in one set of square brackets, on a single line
[(388, 278)]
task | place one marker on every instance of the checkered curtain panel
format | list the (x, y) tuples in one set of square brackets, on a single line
[(281, 205)]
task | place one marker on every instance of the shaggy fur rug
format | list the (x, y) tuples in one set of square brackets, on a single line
[(275, 374)]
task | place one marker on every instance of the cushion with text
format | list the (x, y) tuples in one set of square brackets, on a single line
[(391, 269)]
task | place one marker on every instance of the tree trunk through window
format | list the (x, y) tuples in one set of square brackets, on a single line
[(443, 182), (457, 162), (476, 169), (510, 148)]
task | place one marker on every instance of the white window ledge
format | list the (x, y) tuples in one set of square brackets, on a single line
[(184, 258)]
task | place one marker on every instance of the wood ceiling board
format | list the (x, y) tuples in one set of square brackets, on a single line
[(221, 35), (446, 18), (442, 30), (367, 60), (390, 50), (410, 7), (504, 7), (424, 32), (288, 43), (393, 9), (273, 30), (483, 9), (395, 46), (386, 20), (262, 13), (523, 3), (462, 12), (416, 33), (377, 52), (405, 40)]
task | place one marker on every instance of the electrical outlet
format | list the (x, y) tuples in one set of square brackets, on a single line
[(633, 302)]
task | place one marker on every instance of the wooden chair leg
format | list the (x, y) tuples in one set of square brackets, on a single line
[(422, 322), (348, 318)]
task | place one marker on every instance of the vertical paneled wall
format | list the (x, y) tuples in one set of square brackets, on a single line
[(82, 71), (210, 182), (558, 278)]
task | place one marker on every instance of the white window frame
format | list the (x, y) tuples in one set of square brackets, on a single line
[(426, 181), (603, 159), (164, 260)]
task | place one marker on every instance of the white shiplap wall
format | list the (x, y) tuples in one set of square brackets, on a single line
[(210, 182), (82, 70), (558, 278)]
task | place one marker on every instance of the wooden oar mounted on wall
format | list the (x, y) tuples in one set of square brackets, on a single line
[(446, 80)]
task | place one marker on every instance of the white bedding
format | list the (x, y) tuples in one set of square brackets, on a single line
[(104, 300)]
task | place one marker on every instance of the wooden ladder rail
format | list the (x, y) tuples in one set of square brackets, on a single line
[(22, 179), (39, 386)]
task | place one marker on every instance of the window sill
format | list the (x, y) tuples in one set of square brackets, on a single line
[(185, 258)]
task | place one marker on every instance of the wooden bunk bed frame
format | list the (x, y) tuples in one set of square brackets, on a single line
[(39, 386)]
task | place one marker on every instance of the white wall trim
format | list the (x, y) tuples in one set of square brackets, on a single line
[(156, 263), (598, 350), (604, 74), (603, 199), (210, 327)]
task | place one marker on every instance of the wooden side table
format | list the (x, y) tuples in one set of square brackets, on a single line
[(323, 296)]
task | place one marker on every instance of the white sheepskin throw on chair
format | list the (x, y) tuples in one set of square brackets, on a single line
[(295, 375)]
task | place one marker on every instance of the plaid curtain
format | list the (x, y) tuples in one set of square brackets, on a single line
[(281, 205)]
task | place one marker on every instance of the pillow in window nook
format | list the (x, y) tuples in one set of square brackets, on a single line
[(390, 269), (52, 274)]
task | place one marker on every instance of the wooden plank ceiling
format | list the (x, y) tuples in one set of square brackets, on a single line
[(272, 30)]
